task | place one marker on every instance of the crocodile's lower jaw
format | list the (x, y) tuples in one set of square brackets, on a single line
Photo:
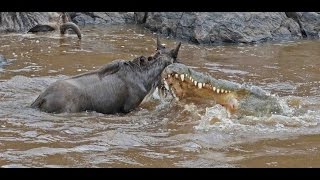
[(183, 86)]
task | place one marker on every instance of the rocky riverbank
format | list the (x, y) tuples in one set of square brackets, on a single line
[(23, 21), (197, 27), (234, 27), (102, 18)]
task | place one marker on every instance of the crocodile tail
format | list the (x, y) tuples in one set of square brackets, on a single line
[(71, 25)]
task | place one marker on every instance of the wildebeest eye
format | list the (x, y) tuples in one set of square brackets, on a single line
[(149, 58)]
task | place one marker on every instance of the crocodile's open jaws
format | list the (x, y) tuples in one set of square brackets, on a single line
[(184, 83)]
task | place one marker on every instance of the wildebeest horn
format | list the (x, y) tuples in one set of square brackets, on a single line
[(175, 51), (159, 45)]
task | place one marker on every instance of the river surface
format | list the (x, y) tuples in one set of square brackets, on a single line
[(158, 134)]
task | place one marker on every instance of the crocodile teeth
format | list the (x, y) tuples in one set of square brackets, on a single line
[(166, 85), (176, 75), (182, 77), (174, 95), (214, 88), (222, 90), (199, 85), (218, 91), (191, 79), (186, 75), (204, 84), (195, 83), (169, 75)]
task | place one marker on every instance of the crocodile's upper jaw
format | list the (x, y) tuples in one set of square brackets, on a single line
[(184, 86)]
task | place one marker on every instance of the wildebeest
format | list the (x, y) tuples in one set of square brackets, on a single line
[(63, 24), (117, 87)]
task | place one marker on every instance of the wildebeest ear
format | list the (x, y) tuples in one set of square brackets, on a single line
[(159, 45), (174, 52)]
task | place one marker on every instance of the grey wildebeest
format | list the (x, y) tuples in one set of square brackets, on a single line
[(117, 87)]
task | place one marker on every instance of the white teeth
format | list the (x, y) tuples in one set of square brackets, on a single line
[(204, 84), (166, 85), (222, 90), (173, 94), (182, 77), (195, 83), (214, 88), (192, 80), (176, 75), (169, 75), (164, 79), (186, 75), (190, 77), (199, 85), (218, 91)]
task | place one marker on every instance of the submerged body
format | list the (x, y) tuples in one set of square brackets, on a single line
[(185, 83), (3, 60), (117, 87)]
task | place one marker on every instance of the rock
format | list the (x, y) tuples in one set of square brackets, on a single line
[(235, 27), (102, 18), (83, 19), (140, 17), (294, 29), (23, 21), (311, 24)]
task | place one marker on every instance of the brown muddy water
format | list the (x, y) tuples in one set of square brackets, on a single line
[(158, 134)]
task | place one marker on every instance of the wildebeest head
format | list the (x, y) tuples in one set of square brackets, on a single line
[(164, 54), (153, 66)]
